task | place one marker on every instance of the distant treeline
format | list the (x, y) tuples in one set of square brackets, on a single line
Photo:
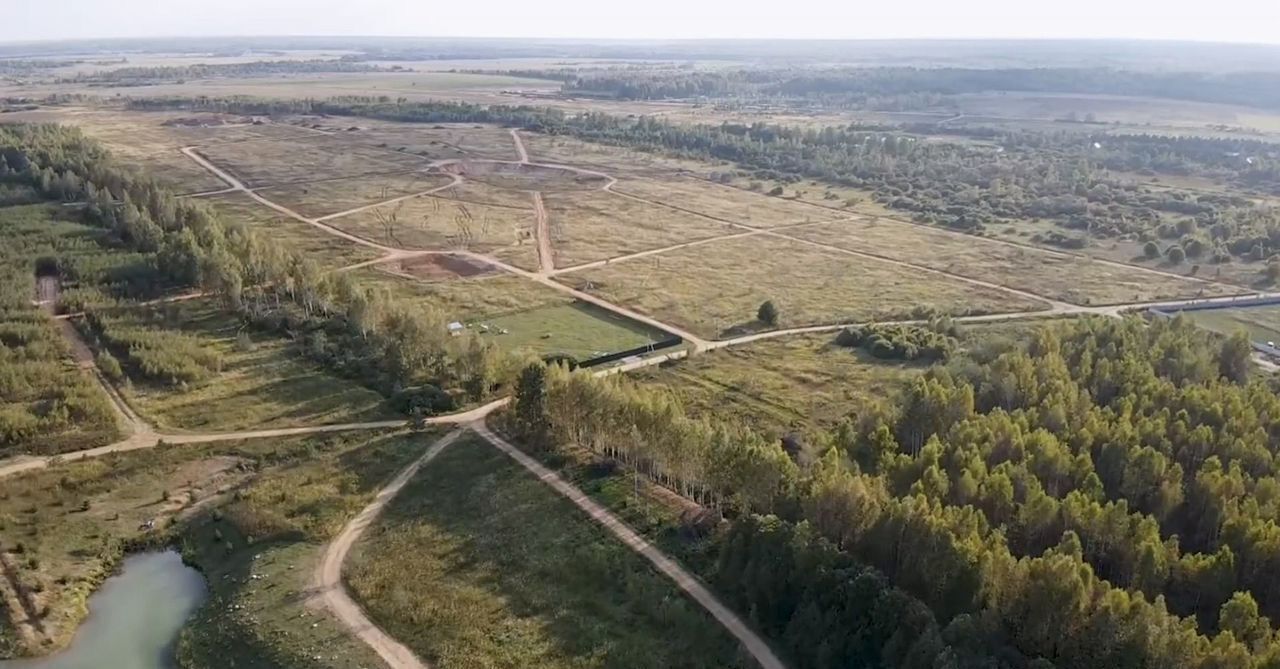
[(133, 76), (880, 86)]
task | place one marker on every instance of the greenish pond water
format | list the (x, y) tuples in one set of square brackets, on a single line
[(134, 618)]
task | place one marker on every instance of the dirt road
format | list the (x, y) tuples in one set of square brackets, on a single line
[(327, 579), (542, 231), (146, 438), (692, 586)]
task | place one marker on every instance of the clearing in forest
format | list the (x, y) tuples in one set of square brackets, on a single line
[(715, 289)]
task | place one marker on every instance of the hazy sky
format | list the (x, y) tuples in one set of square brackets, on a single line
[(1212, 20)]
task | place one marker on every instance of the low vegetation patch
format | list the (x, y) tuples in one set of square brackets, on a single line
[(479, 564)]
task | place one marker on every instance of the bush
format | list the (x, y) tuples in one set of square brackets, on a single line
[(1175, 254), (1151, 251), (109, 365), (767, 313)]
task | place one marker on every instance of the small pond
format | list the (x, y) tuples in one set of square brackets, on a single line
[(134, 618)]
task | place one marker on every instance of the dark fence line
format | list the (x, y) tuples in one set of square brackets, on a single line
[(1261, 347), (639, 350)]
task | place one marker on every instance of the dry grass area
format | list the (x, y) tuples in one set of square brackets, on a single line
[(715, 289), (311, 242), (618, 161), (469, 299), (440, 141), (591, 226), (517, 177), (323, 198), (1069, 278), (479, 193), (432, 223), (275, 162), (724, 202), (802, 384)]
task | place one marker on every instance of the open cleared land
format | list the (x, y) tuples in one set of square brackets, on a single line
[(1069, 278), (724, 202), (1262, 322), (715, 288), (263, 382), (521, 314), (322, 198), (437, 141), (326, 250), (798, 383), (506, 573), (276, 162), (586, 227), (433, 223), (479, 193)]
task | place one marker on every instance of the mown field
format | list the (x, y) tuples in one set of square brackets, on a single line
[(715, 289), (506, 573)]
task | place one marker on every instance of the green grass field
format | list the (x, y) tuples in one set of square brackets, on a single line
[(1262, 322), (266, 385), (535, 317), (479, 564)]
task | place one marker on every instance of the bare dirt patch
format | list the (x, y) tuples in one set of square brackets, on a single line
[(439, 267)]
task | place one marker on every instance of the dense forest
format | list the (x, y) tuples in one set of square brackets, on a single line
[(1104, 495), (1003, 177), (160, 74), (898, 88), (400, 350)]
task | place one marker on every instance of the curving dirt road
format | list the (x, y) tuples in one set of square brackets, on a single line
[(691, 585), (329, 590), (146, 438)]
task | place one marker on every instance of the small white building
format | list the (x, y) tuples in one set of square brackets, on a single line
[(456, 328)]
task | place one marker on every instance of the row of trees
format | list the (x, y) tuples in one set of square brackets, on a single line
[(1104, 495)]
